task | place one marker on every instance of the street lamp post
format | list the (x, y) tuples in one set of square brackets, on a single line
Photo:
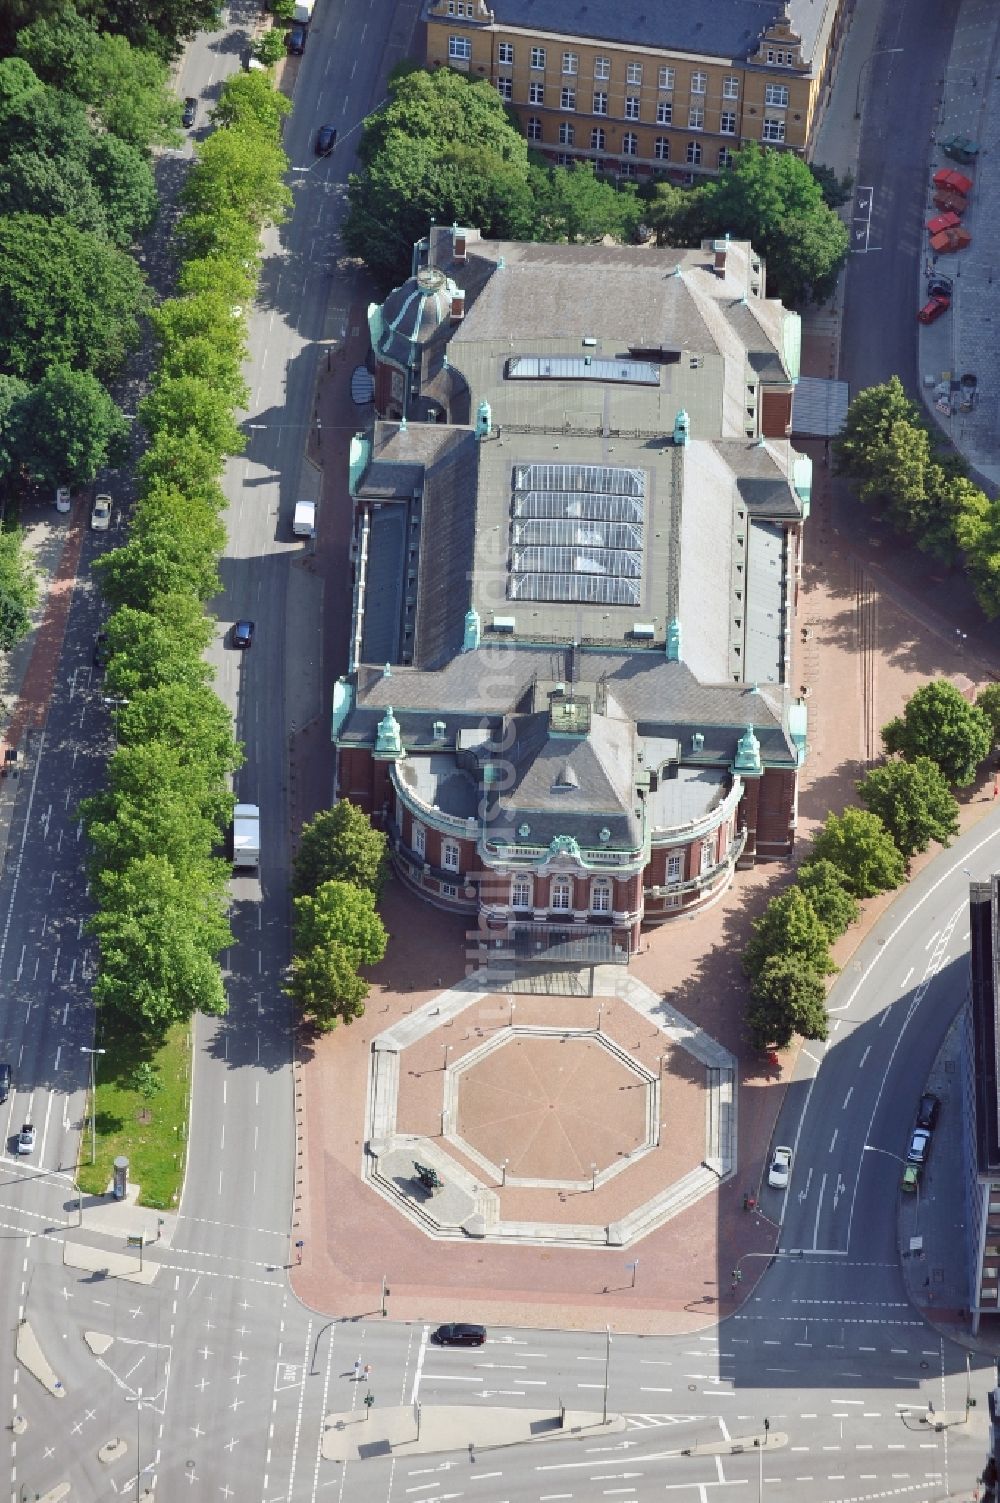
[(870, 1148), (93, 1098), (880, 52), (607, 1370), (137, 1400)]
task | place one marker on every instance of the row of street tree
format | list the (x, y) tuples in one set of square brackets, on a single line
[(938, 743), (446, 148), (889, 450), (158, 882)]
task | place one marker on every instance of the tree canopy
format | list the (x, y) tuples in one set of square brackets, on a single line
[(340, 844), (70, 427), (339, 913), (789, 925), (824, 885), (913, 801), (860, 845), (788, 998), (18, 588), (939, 723)]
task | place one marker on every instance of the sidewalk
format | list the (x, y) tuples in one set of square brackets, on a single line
[(422, 1429)]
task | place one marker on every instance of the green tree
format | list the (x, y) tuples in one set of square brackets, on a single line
[(160, 645), (870, 419), (158, 25), (156, 804), (789, 925), (572, 203), (192, 722), (788, 998), (338, 913), (18, 588), (13, 393), (442, 147), (173, 549), (185, 404), (836, 190), (66, 298), (939, 723), (988, 701), (242, 172), (251, 103), (269, 47), (218, 276), (823, 884), (327, 987), (898, 466), (219, 232), (127, 88), (17, 80), (70, 427), (340, 845), (860, 845), (977, 529), (158, 933), (913, 801), (182, 462)]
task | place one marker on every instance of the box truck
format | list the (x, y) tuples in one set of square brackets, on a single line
[(246, 836), (304, 520)]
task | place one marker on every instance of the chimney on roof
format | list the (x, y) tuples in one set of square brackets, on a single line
[(458, 305), (458, 242), (721, 249)]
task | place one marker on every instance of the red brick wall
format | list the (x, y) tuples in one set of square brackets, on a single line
[(775, 413), (774, 820)]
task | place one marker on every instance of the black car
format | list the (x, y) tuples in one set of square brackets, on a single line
[(243, 634), (190, 111), (296, 40), (102, 650), (927, 1111), (326, 140), (459, 1335)]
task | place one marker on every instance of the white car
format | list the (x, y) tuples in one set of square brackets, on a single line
[(26, 1138), (64, 501), (100, 517), (781, 1168)]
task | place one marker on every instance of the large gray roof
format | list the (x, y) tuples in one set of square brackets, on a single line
[(713, 28)]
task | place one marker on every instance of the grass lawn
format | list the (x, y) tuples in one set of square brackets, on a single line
[(155, 1148)]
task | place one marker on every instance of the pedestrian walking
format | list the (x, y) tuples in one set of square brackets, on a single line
[(357, 1368)]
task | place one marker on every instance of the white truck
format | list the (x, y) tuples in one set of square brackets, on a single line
[(304, 520), (246, 837), (303, 12)]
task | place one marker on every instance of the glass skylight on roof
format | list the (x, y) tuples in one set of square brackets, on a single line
[(582, 368), (576, 533)]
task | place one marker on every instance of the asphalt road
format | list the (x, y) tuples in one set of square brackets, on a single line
[(235, 1376)]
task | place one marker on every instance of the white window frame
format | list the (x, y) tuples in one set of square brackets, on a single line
[(448, 890), (725, 158), (533, 130), (696, 117), (536, 93), (452, 849), (561, 888), (600, 102), (661, 149), (505, 54), (675, 866), (459, 49), (706, 856), (666, 78), (630, 144), (628, 169), (731, 87), (673, 900), (538, 58), (727, 123), (567, 133), (692, 155), (602, 68), (598, 138), (664, 112), (567, 99), (571, 62), (631, 106), (776, 96), (526, 885), (418, 840), (699, 83), (773, 129), (505, 88), (601, 896), (633, 73)]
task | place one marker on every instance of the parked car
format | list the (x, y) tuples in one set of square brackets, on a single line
[(102, 650), (933, 308), (927, 1111), (781, 1168), (5, 1081), (296, 40), (64, 500), (243, 635), (920, 1147), (100, 517), (26, 1138), (911, 1178), (190, 111), (326, 140), (459, 1335)]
